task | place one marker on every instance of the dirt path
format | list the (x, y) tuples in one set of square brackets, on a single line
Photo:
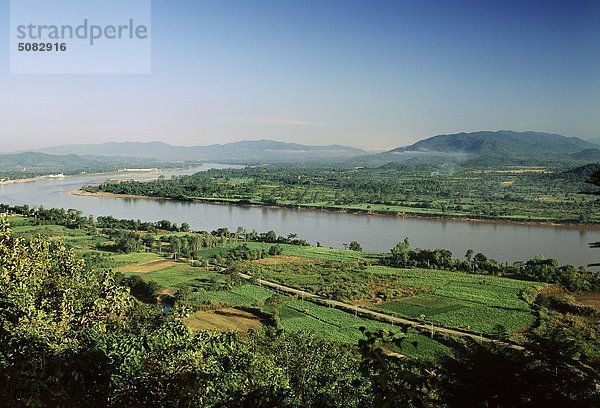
[(377, 315)]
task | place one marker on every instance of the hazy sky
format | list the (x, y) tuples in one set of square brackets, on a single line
[(371, 74)]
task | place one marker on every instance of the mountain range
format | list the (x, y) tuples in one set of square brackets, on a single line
[(503, 143), (260, 150), (595, 140), (490, 147), (502, 146), (34, 163)]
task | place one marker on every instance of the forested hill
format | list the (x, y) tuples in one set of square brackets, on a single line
[(503, 144), (260, 150), (29, 164)]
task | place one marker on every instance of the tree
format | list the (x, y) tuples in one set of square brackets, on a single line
[(53, 311), (400, 255), (469, 255), (595, 180), (71, 336), (355, 246), (175, 247), (480, 258), (494, 375), (270, 237)]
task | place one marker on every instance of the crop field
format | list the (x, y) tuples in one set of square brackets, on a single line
[(18, 221), (46, 230), (242, 295), (168, 274), (333, 280), (337, 325), (478, 303), (173, 277), (122, 260)]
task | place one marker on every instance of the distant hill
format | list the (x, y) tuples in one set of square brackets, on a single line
[(503, 145), (261, 150), (581, 174), (500, 143), (34, 163), (590, 155), (595, 140)]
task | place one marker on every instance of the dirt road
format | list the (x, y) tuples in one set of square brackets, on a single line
[(377, 315)]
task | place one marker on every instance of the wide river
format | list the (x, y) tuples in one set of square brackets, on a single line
[(503, 242)]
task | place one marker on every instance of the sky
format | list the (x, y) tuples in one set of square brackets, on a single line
[(373, 74)]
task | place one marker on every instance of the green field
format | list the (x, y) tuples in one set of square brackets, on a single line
[(243, 295), (478, 303), (337, 325), (134, 258), (173, 277)]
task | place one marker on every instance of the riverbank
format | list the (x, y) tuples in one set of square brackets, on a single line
[(349, 210), (83, 193), (135, 176), (29, 180)]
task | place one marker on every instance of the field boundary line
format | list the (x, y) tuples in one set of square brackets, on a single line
[(374, 315)]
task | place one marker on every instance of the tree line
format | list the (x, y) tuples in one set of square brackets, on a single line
[(537, 269)]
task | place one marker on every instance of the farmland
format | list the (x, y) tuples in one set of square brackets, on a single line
[(477, 303), (406, 308), (208, 288), (212, 295)]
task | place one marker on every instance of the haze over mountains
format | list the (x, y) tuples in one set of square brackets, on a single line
[(33, 163), (595, 140), (503, 143), (260, 150), (494, 146)]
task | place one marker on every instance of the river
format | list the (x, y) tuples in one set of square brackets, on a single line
[(501, 241)]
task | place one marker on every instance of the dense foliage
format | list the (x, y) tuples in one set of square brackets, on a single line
[(70, 337), (527, 194), (74, 336)]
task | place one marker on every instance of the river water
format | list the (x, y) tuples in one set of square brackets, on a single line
[(503, 242)]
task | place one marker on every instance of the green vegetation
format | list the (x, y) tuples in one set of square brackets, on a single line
[(339, 326), (476, 303), (504, 146), (504, 192), (476, 317), (72, 333), (539, 268), (241, 295)]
